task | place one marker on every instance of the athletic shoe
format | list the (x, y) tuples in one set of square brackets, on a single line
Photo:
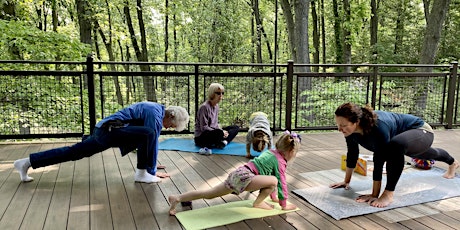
[(205, 151)]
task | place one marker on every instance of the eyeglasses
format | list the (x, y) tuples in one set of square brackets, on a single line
[(219, 93)]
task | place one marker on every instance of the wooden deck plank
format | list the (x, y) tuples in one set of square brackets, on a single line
[(59, 209), (80, 206), (141, 211), (100, 193), (20, 196), (119, 202), (41, 199)]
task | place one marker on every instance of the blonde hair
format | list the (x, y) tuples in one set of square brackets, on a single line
[(288, 142), (212, 90), (260, 140), (179, 117)]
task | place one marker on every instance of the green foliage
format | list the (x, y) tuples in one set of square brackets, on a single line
[(19, 40), (41, 103)]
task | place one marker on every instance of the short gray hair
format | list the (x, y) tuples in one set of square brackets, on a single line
[(179, 116), (212, 90)]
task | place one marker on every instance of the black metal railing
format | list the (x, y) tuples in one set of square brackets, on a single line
[(66, 99)]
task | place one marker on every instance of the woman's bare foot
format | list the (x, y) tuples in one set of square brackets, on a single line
[(264, 205), (173, 201), (451, 170), (162, 175), (384, 200)]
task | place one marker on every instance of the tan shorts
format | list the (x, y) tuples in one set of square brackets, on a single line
[(239, 179)]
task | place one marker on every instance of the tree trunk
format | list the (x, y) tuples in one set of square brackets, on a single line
[(54, 15), (84, 22), (166, 30), (315, 35), (374, 26), (399, 31), (147, 80), (255, 9), (8, 10), (287, 12), (347, 36), (433, 31), (337, 32), (108, 47), (323, 34), (435, 22)]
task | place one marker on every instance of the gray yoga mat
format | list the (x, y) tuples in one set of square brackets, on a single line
[(414, 187)]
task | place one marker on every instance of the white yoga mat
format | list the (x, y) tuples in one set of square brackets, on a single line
[(414, 187)]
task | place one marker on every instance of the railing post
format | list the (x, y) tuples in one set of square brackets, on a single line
[(91, 93), (375, 71), (289, 87), (197, 85), (451, 95)]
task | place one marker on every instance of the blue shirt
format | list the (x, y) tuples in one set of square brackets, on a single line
[(148, 114)]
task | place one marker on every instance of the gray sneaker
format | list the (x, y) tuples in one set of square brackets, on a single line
[(205, 151)]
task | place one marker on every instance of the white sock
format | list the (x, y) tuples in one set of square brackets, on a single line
[(22, 165), (144, 177)]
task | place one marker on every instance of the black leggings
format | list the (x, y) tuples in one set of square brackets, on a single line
[(415, 143), (215, 137)]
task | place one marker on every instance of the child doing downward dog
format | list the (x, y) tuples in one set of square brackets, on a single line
[(265, 173), (259, 134)]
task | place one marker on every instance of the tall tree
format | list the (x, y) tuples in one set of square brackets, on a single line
[(315, 22), (347, 35), (84, 21), (434, 26), (140, 54), (337, 32), (374, 26)]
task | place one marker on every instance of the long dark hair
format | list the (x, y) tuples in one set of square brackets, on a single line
[(364, 115)]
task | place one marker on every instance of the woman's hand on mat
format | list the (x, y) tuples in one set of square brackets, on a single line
[(365, 198), (290, 207), (342, 184)]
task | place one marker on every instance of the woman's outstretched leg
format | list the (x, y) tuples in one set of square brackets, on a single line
[(216, 191)]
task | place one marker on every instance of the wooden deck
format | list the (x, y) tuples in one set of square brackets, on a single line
[(99, 192)]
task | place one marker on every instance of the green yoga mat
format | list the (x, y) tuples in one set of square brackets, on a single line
[(224, 214)]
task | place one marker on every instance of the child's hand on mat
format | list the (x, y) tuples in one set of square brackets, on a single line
[(342, 184), (290, 207)]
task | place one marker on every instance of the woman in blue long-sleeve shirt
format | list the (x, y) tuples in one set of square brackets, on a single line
[(390, 136), (136, 126)]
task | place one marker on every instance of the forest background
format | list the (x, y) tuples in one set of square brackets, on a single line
[(219, 31)]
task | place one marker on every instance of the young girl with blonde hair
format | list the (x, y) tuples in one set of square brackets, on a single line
[(266, 173)]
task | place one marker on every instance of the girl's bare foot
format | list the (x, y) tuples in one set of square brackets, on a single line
[(451, 170), (173, 200), (384, 200), (264, 205)]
